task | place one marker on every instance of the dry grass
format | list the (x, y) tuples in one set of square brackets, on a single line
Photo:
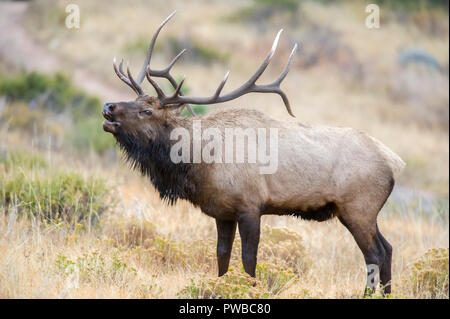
[(144, 249)]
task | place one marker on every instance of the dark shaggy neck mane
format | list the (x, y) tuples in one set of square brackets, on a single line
[(152, 158)]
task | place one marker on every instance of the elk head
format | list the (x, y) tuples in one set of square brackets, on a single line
[(147, 114)]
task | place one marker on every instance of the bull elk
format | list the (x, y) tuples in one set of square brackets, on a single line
[(323, 172)]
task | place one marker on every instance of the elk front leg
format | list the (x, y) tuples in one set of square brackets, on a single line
[(225, 237), (249, 230)]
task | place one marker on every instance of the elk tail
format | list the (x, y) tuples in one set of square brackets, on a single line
[(394, 161)]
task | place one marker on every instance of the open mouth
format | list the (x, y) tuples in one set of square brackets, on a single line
[(108, 116), (110, 125)]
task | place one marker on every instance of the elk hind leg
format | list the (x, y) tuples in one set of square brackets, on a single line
[(364, 231), (385, 271)]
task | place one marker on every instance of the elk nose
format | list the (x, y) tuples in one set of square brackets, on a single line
[(109, 107)]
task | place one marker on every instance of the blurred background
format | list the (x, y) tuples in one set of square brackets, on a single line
[(58, 167)]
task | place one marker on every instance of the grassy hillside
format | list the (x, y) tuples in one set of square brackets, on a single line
[(343, 75), (135, 246)]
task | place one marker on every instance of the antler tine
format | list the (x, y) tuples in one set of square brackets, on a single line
[(155, 85), (133, 82), (265, 63), (286, 102), (141, 75), (275, 85), (121, 69), (175, 59), (221, 85), (178, 89), (287, 66), (248, 87), (122, 76), (277, 90)]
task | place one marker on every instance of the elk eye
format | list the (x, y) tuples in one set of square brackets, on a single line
[(147, 112)]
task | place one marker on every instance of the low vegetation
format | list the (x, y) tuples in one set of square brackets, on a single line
[(234, 285), (259, 12), (430, 274), (62, 231), (53, 92), (172, 45), (51, 104), (31, 187)]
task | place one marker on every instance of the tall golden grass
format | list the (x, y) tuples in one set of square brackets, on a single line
[(143, 248)]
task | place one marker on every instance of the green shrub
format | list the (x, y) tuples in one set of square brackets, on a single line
[(232, 285), (197, 52), (93, 267), (173, 45), (207, 54), (148, 291), (130, 232), (35, 96), (21, 159), (138, 45), (26, 86), (146, 244), (430, 274), (54, 92), (414, 5), (283, 249), (36, 189), (285, 5), (273, 277), (89, 134), (269, 282), (19, 116), (261, 11)]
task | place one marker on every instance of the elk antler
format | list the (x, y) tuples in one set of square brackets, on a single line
[(163, 73), (247, 87), (127, 79), (177, 98)]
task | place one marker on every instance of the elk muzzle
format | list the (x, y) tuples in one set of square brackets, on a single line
[(110, 125)]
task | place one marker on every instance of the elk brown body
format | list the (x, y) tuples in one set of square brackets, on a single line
[(323, 172)]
